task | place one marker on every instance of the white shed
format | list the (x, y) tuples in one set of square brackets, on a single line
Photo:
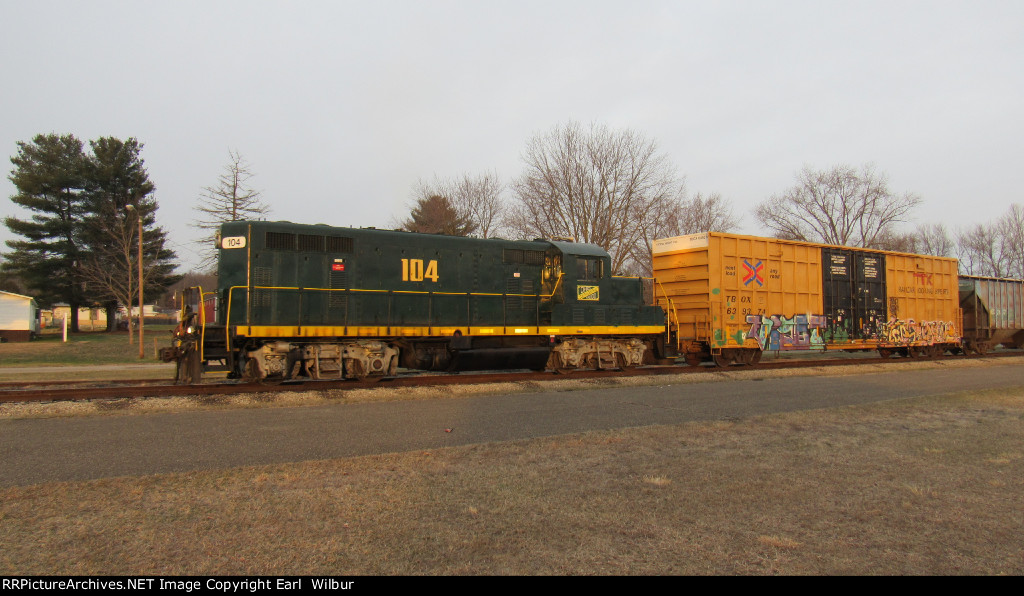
[(19, 317)]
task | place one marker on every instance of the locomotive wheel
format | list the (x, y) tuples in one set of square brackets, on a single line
[(620, 360), (354, 369), (251, 372), (559, 365)]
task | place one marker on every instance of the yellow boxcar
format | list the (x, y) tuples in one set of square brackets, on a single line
[(730, 298)]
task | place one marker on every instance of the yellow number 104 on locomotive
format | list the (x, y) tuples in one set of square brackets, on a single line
[(414, 270)]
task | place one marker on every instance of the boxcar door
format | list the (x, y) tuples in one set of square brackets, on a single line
[(837, 294), (869, 293)]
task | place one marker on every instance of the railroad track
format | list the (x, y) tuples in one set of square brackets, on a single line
[(107, 390)]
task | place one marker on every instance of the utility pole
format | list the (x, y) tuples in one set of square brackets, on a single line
[(142, 347)]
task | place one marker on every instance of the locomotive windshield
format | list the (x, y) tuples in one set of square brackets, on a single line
[(588, 269)]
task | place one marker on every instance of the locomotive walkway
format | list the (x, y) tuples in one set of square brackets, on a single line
[(64, 449)]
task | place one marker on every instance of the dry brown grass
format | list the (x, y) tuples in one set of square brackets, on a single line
[(921, 486)]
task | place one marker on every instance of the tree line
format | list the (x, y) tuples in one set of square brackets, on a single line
[(80, 245), (610, 187), (614, 188)]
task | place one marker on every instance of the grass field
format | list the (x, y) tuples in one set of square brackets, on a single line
[(917, 486), (89, 347)]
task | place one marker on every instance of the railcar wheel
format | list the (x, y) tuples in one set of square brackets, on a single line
[(693, 359), (751, 357), (724, 359), (884, 353)]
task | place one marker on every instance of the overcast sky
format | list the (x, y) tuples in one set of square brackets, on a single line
[(341, 107)]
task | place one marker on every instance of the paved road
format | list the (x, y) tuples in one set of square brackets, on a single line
[(43, 450)]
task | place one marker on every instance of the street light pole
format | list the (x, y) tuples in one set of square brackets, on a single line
[(142, 346)]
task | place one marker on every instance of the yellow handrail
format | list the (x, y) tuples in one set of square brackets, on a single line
[(671, 315), (227, 319)]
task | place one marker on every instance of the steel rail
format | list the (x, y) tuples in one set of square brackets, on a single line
[(58, 391)]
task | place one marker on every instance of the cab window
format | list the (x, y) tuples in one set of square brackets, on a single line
[(589, 269)]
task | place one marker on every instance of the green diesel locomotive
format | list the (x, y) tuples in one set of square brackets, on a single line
[(317, 301)]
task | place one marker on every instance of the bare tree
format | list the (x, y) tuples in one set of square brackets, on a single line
[(113, 270), (231, 199), (978, 251), (995, 249), (934, 239), (840, 206), (925, 239), (702, 213), (710, 213), (476, 200), (110, 267), (1011, 238), (896, 241), (598, 185)]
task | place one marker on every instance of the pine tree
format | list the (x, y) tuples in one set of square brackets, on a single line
[(49, 177), (118, 191), (436, 215)]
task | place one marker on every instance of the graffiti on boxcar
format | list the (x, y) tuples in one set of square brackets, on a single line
[(778, 332), (909, 331)]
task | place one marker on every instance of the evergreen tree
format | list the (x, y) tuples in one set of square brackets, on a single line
[(49, 177), (436, 215), (118, 191), (81, 243)]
